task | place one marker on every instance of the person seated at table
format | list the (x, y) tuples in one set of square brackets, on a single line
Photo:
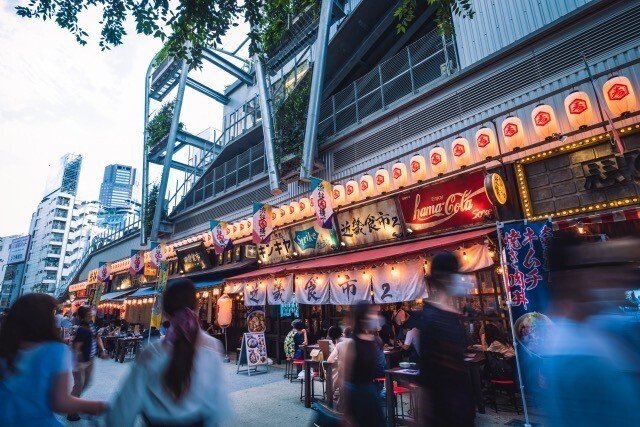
[(124, 327), (398, 318), (386, 330), (292, 340), (299, 339), (334, 334), (497, 341), (411, 342)]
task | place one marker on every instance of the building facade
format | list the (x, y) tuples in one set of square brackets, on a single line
[(117, 185), (13, 253)]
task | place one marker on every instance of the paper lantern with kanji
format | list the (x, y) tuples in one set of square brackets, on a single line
[(545, 123), (284, 211), (487, 143), (418, 168), (513, 133), (352, 190), (235, 228), (367, 187), (280, 214), (305, 207), (577, 106), (461, 152), (438, 160), (295, 208), (241, 229), (399, 175), (224, 315), (249, 225), (383, 181), (339, 195), (620, 96)]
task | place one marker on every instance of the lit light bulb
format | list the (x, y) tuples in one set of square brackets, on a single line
[(409, 230), (464, 256), (581, 228), (499, 270), (394, 272), (343, 244)]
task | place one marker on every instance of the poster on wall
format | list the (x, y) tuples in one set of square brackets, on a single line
[(311, 239), (399, 282), (349, 287), (256, 320), (280, 290), (374, 222), (312, 289), (459, 202)]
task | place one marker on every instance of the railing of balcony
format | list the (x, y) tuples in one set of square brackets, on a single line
[(423, 63)]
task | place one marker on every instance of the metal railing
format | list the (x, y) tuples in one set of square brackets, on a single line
[(241, 120), (424, 62)]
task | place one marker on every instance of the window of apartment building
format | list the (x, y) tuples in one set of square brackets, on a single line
[(58, 225), (63, 201), (51, 275), (61, 212)]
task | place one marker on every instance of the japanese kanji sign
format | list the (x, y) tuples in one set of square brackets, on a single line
[(370, 223), (136, 262), (525, 246), (280, 290), (104, 271), (255, 293), (221, 240), (312, 289), (349, 287), (459, 202), (262, 226), (323, 201), (278, 249), (157, 253), (399, 282)]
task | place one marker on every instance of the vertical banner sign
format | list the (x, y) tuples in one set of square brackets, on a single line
[(156, 309), (312, 289), (98, 293), (136, 262), (399, 282), (221, 240), (262, 226), (157, 253), (104, 271), (280, 290), (323, 199)]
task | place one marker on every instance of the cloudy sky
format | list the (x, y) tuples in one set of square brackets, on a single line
[(60, 97)]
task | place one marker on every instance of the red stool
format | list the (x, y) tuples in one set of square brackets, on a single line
[(298, 363), (401, 391)]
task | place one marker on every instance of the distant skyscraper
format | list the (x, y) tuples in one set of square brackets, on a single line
[(65, 176), (117, 186)]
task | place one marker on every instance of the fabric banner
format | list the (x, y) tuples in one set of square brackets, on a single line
[(262, 225), (525, 246), (370, 223), (104, 271), (233, 287), (399, 282), (221, 240), (157, 253), (349, 287), (473, 258), (312, 289), (156, 308), (280, 290), (323, 201), (255, 293), (136, 262)]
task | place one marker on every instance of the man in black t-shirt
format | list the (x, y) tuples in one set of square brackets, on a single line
[(84, 347)]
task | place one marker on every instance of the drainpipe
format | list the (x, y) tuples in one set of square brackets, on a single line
[(315, 96), (267, 126), (171, 143), (145, 162)]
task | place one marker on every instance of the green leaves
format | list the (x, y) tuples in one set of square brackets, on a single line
[(159, 126), (405, 13)]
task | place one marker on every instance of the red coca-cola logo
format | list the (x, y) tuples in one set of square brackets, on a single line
[(542, 118), (379, 179), (415, 166), (617, 92), (364, 185), (483, 140), (458, 150), (577, 106), (510, 129), (436, 158)]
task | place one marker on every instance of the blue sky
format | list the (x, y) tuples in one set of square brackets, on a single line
[(59, 97)]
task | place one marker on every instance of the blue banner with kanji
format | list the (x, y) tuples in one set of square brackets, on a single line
[(525, 246)]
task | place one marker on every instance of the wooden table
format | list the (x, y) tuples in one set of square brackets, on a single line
[(121, 347), (389, 376), (328, 378), (306, 349)]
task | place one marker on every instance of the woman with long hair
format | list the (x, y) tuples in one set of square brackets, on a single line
[(177, 381), (35, 367)]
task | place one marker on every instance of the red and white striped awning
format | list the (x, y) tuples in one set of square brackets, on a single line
[(602, 218)]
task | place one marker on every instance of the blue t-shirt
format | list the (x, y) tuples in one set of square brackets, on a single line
[(25, 395)]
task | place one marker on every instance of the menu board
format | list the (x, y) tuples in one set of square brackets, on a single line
[(254, 349), (374, 222)]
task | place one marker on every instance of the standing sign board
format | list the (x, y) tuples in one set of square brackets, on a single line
[(253, 352)]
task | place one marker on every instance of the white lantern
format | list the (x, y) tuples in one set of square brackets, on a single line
[(418, 168), (224, 306), (339, 195), (248, 225), (294, 211), (513, 133), (438, 160), (285, 212), (461, 152), (367, 187), (545, 123), (228, 231), (620, 96), (487, 143), (241, 229), (352, 189), (399, 174), (305, 207), (577, 106), (383, 181)]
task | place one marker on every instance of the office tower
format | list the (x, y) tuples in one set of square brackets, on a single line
[(117, 186)]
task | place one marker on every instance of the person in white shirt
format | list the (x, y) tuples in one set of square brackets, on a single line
[(411, 342), (178, 381)]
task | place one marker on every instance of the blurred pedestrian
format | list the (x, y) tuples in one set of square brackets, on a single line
[(35, 367), (164, 328), (446, 389), (361, 402), (177, 381)]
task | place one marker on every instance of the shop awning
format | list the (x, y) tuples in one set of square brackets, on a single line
[(208, 283), (112, 296), (368, 255), (143, 292)]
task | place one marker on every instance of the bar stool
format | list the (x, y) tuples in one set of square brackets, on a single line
[(315, 376), (298, 365), (288, 369), (400, 391)]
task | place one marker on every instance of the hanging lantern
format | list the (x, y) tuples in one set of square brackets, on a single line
[(295, 208), (577, 106), (513, 133), (248, 225), (305, 207), (383, 181), (461, 152), (438, 160), (352, 189), (418, 167), (339, 195), (544, 121), (242, 229), (285, 212), (367, 188), (487, 143), (399, 174), (224, 306), (620, 96)]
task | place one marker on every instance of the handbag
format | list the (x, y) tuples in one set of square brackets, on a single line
[(316, 355)]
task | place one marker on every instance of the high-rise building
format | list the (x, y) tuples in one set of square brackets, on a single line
[(82, 229), (117, 186), (65, 176), (13, 250)]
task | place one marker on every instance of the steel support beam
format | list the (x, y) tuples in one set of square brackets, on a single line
[(193, 140), (227, 66), (315, 94), (145, 159), (206, 90), (171, 142), (267, 126), (185, 168)]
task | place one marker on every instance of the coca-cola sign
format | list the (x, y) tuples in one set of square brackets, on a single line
[(460, 202)]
